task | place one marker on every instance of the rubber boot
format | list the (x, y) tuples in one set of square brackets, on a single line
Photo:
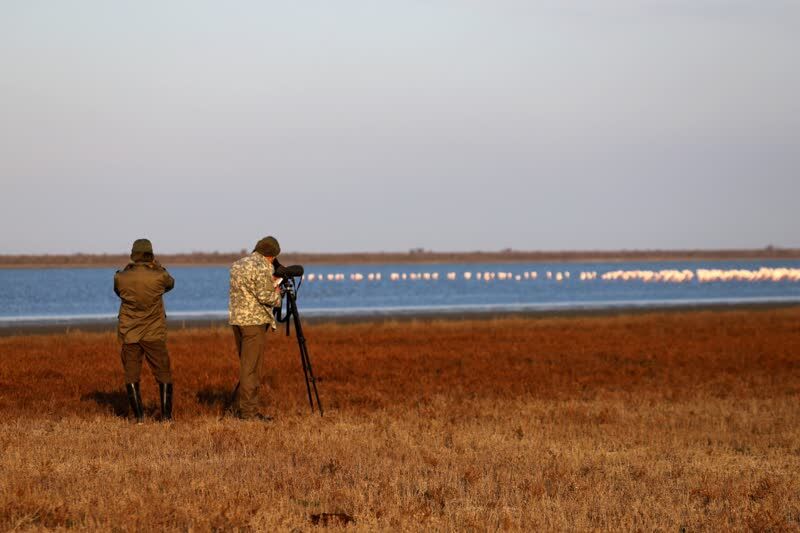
[(165, 394), (135, 397)]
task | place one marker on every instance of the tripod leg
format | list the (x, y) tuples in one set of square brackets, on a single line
[(312, 379), (305, 362)]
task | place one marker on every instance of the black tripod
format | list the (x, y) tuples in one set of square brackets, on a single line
[(289, 291)]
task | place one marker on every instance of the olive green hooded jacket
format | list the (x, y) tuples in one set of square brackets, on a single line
[(140, 286)]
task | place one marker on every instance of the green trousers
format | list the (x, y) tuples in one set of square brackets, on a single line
[(250, 341), (155, 352)]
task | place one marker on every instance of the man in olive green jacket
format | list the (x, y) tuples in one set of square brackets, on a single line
[(143, 325), (253, 294)]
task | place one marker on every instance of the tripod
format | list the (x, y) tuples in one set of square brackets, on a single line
[(289, 290)]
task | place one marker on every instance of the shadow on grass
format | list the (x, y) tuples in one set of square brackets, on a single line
[(116, 400), (216, 397)]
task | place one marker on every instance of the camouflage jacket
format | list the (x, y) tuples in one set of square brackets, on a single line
[(140, 287), (252, 294)]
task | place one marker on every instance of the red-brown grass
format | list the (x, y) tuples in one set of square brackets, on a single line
[(655, 421)]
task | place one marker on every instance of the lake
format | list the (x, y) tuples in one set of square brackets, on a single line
[(44, 295)]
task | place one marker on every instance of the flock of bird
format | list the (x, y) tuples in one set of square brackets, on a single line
[(700, 275)]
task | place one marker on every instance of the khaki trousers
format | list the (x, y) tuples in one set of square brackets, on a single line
[(250, 342), (155, 352)]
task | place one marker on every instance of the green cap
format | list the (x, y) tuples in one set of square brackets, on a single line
[(142, 246), (268, 247)]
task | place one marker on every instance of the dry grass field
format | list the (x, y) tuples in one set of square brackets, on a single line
[(663, 421)]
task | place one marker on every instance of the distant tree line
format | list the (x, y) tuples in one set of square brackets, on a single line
[(416, 255)]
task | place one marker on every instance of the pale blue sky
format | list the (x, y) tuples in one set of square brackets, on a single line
[(367, 126)]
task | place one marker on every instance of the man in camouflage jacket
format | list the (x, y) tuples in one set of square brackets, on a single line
[(253, 294), (142, 326)]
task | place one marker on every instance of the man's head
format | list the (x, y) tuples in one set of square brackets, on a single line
[(268, 247), (142, 250)]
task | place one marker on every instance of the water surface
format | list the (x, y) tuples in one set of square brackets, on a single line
[(41, 295)]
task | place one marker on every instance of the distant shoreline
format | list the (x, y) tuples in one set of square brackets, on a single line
[(413, 257), (32, 327)]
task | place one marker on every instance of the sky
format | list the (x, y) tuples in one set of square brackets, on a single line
[(383, 126)]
